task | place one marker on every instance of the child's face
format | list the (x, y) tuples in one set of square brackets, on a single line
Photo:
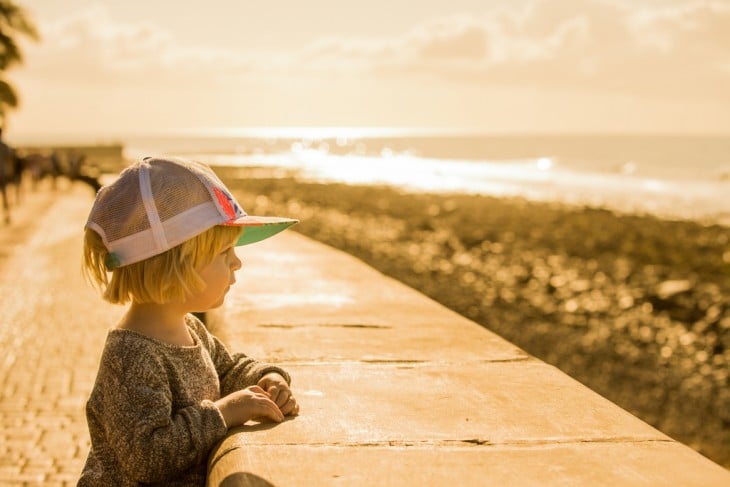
[(218, 277)]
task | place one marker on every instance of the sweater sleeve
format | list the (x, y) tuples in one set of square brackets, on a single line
[(235, 371), (151, 443)]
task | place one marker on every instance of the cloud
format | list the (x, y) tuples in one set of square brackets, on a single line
[(459, 38), (593, 45), (663, 49), (92, 44)]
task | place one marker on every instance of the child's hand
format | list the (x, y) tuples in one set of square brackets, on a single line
[(249, 403), (278, 389)]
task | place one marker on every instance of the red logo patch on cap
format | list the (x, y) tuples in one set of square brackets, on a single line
[(227, 203)]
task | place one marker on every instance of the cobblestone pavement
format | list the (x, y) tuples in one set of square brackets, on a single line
[(52, 329)]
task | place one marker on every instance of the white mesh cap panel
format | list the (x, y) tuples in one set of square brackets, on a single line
[(175, 189), (119, 213)]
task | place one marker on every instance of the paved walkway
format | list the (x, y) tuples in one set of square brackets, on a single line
[(52, 330)]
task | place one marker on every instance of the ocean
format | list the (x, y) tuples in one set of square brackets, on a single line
[(670, 176)]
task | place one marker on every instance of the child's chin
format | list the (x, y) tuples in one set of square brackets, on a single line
[(215, 305)]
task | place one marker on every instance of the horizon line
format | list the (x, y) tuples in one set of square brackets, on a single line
[(335, 132)]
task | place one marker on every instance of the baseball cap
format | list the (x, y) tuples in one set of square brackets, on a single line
[(158, 203)]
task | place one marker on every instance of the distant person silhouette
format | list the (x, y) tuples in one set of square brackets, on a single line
[(56, 168), (6, 174)]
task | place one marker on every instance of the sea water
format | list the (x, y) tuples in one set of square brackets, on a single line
[(685, 177)]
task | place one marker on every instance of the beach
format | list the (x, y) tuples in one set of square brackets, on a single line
[(635, 307)]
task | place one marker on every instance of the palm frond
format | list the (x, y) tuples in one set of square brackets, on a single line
[(8, 96), (16, 19), (9, 51)]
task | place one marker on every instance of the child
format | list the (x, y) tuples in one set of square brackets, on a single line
[(162, 238)]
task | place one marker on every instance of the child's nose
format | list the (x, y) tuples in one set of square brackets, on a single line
[(236, 263)]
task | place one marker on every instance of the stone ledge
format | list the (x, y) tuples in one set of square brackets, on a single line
[(395, 389)]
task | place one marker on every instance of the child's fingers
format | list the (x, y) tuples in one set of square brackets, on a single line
[(274, 410), (269, 409), (265, 406), (280, 398), (275, 394), (291, 407), (256, 389), (280, 395)]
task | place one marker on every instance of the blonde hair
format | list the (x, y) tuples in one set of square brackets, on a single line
[(168, 277)]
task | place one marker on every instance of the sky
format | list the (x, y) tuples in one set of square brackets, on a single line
[(110, 68)]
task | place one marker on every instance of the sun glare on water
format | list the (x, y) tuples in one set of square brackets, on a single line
[(544, 163)]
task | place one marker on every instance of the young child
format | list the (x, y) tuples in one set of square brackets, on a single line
[(162, 239)]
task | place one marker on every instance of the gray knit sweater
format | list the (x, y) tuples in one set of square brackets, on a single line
[(151, 414)]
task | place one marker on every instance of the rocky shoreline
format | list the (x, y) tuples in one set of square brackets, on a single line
[(635, 307)]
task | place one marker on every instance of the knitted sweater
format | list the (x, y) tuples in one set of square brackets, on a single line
[(151, 414)]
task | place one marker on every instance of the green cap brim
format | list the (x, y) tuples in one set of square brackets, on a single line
[(256, 233)]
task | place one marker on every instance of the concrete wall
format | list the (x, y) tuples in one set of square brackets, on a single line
[(397, 390)]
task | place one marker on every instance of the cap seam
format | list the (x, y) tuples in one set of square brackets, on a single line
[(148, 200)]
